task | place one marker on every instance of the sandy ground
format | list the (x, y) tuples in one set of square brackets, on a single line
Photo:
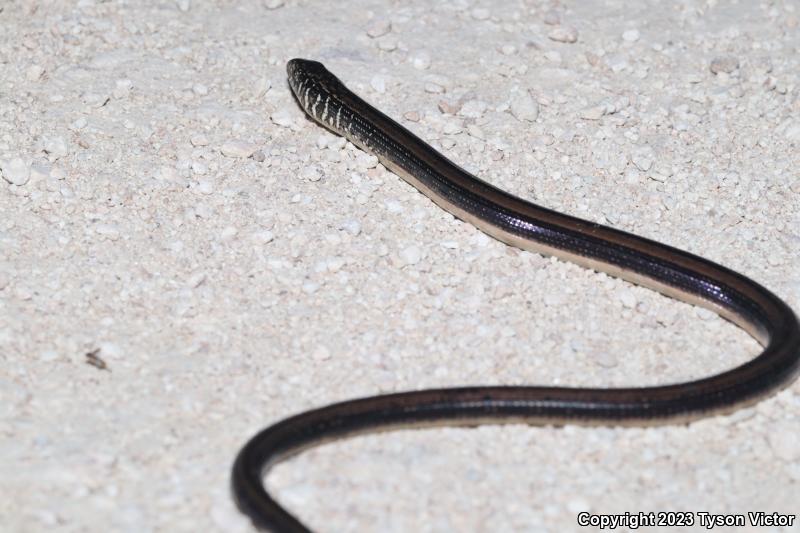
[(167, 208)]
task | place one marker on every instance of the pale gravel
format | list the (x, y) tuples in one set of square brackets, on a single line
[(167, 207)]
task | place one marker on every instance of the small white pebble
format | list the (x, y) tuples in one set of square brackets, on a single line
[(309, 287), (48, 356), (34, 72), (578, 505), (631, 36), (481, 240), (782, 438), (704, 314), (387, 43), (480, 13), (605, 359), (553, 56), (410, 255), (23, 293), (593, 113), (564, 34), (79, 124), (122, 88), (336, 143), (378, 82), (184, 5), (334, 264), (263, 236), (473, 109), (627, 298), (792, 132), (617, 63), (228, 233), (524, 107), (94, 99), (16, 171), (311, 173), (366, 161), (726, 64), (552, 17), (273, 4), (110, 231), (451, 128), (56, 147), (198, 167), (378, 27), (643, 158), (283, 118), (351, 226), (205, 186), (476, 132), (632, 176), (196, 279), (321, 353), (421, 60), (166, 173), (199, 140), (261, 86), (433, 88), (199, 89), (238, 148), (393, 206), (508, 49)]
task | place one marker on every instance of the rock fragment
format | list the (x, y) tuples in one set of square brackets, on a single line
[(379, 27), (410, 255), (593, 113), (726, 64), (524, 107), (34, 72), (631, 36), (16, 171), (378, 83), (55, 147), (421, 60), (238, 148), (552, 17), (282, 118), (563, 34), (480, 13)]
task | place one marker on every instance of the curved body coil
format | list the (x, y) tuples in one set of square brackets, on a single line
[(519, 223)]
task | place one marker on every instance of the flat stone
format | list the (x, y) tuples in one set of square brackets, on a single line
[(16, 171), (726, 64), (238, 148), (563, 34)]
